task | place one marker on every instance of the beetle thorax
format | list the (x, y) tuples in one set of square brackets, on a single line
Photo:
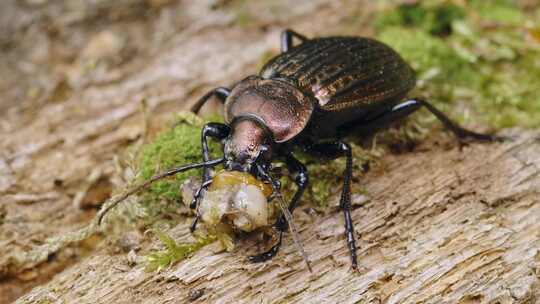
[(245, 144), (281, 107)]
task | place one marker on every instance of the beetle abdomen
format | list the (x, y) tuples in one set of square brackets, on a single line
[(344, 72)]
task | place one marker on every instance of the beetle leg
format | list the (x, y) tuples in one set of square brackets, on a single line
[(198, 194), (221, 92), (408, 107), (215, 130), (383, 120), (459, 131), (195, 201), (218, 131), (287, 39), (301, 179), (335, 150)]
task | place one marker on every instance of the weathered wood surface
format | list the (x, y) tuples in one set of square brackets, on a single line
[(442, 225), (72, 80)]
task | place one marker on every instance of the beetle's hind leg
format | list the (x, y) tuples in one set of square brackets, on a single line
[(301, 179), (404, 109), (287, 39), (410, 106), (221, 93)]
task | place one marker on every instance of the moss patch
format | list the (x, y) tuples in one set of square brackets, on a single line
[(482, 64), (173, 251), (430, 16), (178, 146), (500, 11), (326, 176)]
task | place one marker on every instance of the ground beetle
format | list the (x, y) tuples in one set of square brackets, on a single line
[(309, 97)]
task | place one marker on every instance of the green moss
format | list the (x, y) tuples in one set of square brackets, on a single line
[(488, 71), (439, 67), (500, 11), (432, 17), (426, 53), (511, 96), (175, 147), (326, 176), (173, 251)]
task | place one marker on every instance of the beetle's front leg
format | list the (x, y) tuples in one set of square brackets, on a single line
[(299, 171), (335, 150), (218, 131)]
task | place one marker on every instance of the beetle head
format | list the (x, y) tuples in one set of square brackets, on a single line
[(249, 142)]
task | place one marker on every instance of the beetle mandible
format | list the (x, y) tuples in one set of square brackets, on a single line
[(309, 97)]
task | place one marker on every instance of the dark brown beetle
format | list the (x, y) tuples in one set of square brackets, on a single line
[(309, 97)]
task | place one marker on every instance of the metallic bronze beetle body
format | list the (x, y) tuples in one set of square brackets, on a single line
[(309, 97)]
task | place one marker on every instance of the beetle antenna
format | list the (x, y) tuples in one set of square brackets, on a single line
[(288, 216), (294, 231), (144, 185)]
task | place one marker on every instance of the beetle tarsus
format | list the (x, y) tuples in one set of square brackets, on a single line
[(267, 255), (345, 203), (193, 225)]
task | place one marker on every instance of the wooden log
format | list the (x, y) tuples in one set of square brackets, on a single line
[(442, 226)]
